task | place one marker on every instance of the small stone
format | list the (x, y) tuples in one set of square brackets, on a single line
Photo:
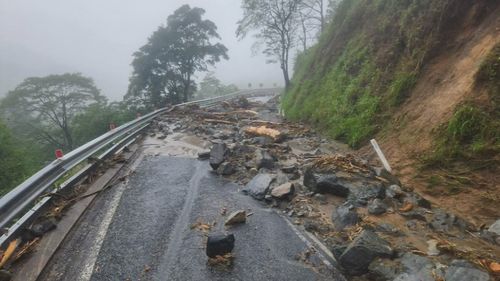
[(161, 137), (383, 173), (236, 218), (226, 169), (495, 227), (283, 191), (432, 249), (219, 244), (394, 191), (344, 216), (416, 268), (382, 269), (289, 169), (40, 228), (204, 155), (320, 197), (377, 207)]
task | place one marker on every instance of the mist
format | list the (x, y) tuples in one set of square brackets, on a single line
[(98, 38)]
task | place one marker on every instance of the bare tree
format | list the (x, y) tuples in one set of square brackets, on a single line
[(276, 23)]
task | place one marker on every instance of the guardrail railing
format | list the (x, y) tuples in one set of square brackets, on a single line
[(15, 211)]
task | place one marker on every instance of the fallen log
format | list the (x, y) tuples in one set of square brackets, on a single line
[(264, 131)]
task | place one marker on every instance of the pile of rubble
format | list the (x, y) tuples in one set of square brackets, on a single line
[(376, 228)]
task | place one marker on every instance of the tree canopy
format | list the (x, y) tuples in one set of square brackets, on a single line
[(43, 108), (164, 67), (211, 86)]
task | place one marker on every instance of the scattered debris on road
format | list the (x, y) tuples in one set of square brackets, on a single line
[(236, 217), (219, 244)]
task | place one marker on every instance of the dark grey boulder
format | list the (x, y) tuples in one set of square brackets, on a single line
[(344, 216), (258, 186), (362, 251), (263, 159), (204, 155), (416, 268), (289, 169), (377, 207), (361, 195), (5, 275), (325, 183), (219, 244), (394, 191), (40, 228), (442, 221), (218, 154), (461, 270), (383, 173), (383, 270), (226, 169)]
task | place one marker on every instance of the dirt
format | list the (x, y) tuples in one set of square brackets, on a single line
[(446, 82)]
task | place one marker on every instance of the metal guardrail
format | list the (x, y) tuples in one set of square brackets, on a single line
[(18, 200)]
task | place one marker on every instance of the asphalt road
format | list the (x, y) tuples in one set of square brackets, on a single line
[(141, 230)]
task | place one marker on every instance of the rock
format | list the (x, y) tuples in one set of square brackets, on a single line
[(417, 214), (495, 227), (236, 217), (416, 268), (161, 137), (320, 197), (382, 270), (394, 191), (5, 275), (281, 178), (226, 169), (338, 250), (258, 186), (411, 224), (461, 270), (262, 140), (325, 183), (283, 191), (432, 249), (40, 228), (442, 221), (344, 216), (418, 200), (205, 155), (218, 154), (377, 207), (363, 194), (219, 244), (383, 173), (289, 169), (263, 159), (362, 251), (389, 229)]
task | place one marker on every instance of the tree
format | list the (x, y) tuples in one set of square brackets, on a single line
[(212, 87), (43, 108), (313, 15), (164, 67), (14, 167), (276, 23)]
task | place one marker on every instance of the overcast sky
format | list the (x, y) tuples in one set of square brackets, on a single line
[(98, 38)]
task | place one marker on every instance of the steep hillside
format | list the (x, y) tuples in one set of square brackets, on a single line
[(422, 77)]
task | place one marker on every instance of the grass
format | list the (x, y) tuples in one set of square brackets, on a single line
[(363, 67)]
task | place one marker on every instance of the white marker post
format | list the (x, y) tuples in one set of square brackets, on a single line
[(381, 155)]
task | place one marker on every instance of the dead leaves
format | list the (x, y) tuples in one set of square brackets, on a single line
[(202, 227), (225, 260), (406, 207), (347, 163)]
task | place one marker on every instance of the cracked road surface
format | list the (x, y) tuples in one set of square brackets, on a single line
[(140, 230)]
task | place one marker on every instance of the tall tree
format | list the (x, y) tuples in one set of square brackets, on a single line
[(276, 23), (164, 67), (44, 107)]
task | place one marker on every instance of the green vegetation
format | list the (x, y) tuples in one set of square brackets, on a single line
[(365, 65)]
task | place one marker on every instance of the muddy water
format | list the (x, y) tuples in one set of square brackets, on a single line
[(175, 145)]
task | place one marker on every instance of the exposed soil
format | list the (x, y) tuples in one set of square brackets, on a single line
[(447, 81)]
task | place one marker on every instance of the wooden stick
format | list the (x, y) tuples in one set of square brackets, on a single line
[(381, 155)]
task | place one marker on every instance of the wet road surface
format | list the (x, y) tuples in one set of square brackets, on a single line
[(140, 230)]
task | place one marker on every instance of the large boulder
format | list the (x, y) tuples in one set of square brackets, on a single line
[(377, 207), (258, 186), (219, 244), (325, 183), (263, 160), (361, 195), (344, 216), (417, 268), (218, 154), (461, 270), (362, 251)]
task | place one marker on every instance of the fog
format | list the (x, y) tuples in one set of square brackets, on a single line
[(98, 38)]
